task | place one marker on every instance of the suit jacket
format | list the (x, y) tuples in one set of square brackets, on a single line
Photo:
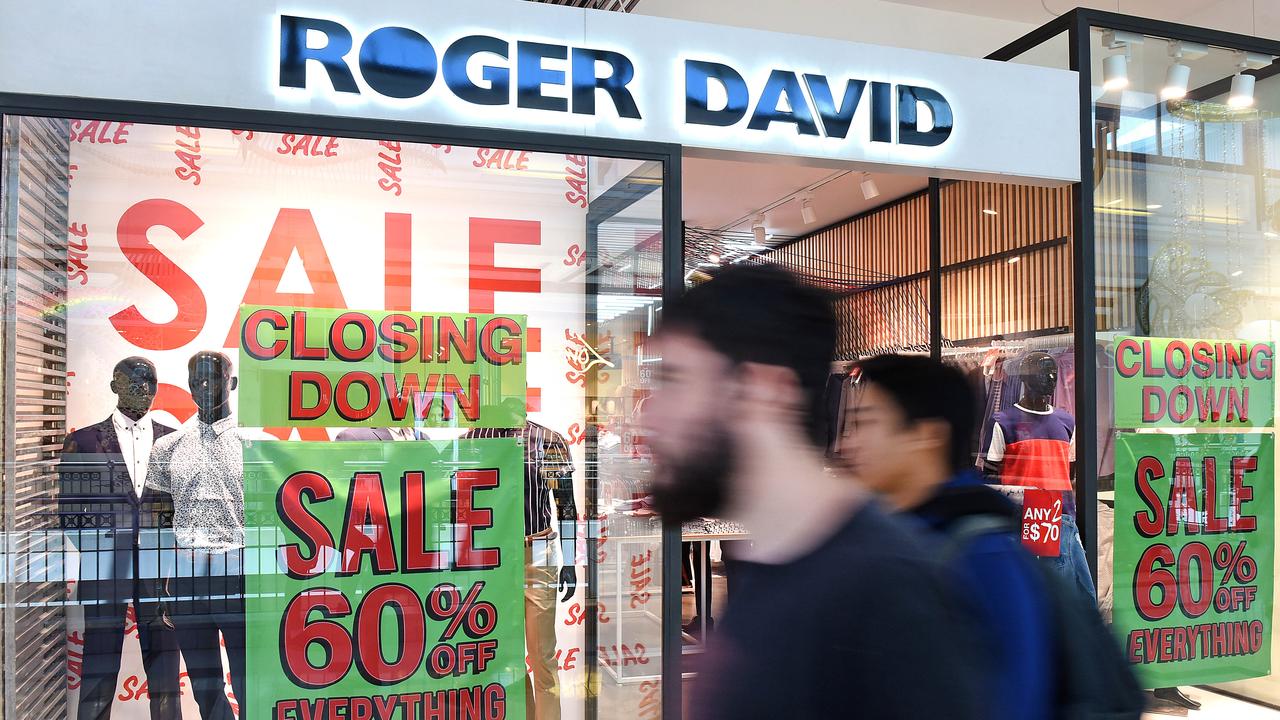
[(95, 490)]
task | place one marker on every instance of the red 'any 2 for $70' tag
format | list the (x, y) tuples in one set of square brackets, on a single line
[(1042, 522)]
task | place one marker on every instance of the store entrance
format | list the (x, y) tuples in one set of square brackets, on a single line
[(978, 274)]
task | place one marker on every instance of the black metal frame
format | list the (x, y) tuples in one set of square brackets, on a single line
[(378, 129), (1077, 25)]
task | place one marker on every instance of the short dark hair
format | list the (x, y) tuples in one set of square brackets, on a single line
[(925, 389), (767, 315)]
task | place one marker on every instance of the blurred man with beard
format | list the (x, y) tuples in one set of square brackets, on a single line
[(838, 609)]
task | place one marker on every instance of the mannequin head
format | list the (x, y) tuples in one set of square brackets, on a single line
[(211, 382), (1039, 376), (134, 383)]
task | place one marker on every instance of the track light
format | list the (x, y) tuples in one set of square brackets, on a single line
[(757, 229), (1242, 85), (1176, 80), (807, 213), (1241, 91), (1178, 76), (870, 190), (1115, 72), (1115, 68)]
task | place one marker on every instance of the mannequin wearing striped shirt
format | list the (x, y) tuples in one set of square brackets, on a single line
[(548, 473)]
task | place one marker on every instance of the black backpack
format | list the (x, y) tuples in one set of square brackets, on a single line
[(1094, 680)]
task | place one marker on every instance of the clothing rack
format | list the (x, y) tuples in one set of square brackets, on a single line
[(1043, 342)]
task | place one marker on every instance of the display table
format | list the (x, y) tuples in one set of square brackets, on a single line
[(640, 624)]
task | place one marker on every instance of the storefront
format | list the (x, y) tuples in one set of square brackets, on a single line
[(455, 225)]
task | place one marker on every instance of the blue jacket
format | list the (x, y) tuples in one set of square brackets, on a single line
[(1010, 593)]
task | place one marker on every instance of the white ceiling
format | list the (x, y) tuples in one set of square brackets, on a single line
[(725, 195), (1247, 17)]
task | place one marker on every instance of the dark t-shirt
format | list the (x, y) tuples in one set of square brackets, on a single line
[(865, 626)]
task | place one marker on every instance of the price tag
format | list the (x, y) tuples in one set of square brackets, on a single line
[(1042, 522)]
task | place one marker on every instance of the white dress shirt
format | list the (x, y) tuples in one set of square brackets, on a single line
[(136, 439)]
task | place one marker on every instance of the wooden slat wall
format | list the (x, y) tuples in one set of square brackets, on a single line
[(888, 244), (1000, 297), (994, 297), (35, 233)]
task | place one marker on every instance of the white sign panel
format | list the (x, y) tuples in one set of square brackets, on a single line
[(532, 66)]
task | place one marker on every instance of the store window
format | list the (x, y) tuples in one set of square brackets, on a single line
[(1185, 269), (296, 419)]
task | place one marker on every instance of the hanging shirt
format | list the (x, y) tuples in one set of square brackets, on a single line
[(1035, 448), (546, 464), (135, 438)]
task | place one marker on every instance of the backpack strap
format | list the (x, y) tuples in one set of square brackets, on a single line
[(964, 530)]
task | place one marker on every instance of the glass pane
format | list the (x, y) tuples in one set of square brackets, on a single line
[(1186, 269), (470, 322)]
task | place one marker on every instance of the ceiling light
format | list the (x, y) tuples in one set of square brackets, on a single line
[(870, 190), (807, 212), (757, 229), (713, 258), (1176, 79), (1154, 207), (1270, 234), (989, 211), (1241, 91), (1242, 85), (1014, 259), (1115, 72), (1237, 273), (1178, 76), (1115, 68)]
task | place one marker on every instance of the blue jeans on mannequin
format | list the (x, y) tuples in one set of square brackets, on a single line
[(1071, 562)]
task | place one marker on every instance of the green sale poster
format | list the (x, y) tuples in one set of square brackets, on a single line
[(1194, 534), (322, 367), (1193, 383), (385, 580)]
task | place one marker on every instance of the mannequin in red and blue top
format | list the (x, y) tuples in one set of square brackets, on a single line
[(1033, 445)]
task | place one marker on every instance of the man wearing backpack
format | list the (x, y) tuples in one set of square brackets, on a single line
[(908, 436)]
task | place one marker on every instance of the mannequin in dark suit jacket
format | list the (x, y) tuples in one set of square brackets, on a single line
[(105, 518)]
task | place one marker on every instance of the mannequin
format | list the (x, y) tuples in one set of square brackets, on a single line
[(202, 465), (1033, 443), (548, 473), (102, 471)]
